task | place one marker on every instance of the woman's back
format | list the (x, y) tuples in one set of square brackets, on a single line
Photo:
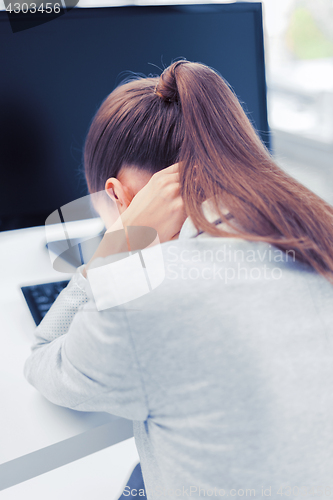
[(226, 369), (238, 372)]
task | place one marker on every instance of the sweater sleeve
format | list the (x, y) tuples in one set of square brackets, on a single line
[(84, 359)]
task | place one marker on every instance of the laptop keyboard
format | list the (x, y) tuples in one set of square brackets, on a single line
[(41, 297)]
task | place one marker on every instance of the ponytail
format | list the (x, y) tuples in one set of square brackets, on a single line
[(223, 159)]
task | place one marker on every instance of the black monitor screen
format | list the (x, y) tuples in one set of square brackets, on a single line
[(54, 77)]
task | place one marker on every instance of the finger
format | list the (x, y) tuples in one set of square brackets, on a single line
[(164, 181), (174, 187), (166, 172), (178, 204), (172, 169), (170, 191), (173, 177)]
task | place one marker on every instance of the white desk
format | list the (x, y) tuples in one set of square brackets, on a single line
[(37, 436)]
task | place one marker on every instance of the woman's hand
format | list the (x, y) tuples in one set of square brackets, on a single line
[(158, 205)]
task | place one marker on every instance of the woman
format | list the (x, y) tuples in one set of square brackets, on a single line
[(225, 367)]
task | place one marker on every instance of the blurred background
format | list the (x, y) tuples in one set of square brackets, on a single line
[(299, 71)]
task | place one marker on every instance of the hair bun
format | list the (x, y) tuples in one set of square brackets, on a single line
[(166, 87)]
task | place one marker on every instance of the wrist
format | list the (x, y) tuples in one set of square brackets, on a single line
[(83, 271)]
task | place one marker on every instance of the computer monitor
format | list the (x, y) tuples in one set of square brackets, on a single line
[(55, 76)]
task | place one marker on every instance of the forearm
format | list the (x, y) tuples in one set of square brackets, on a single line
[(121, 238), (114, 242), (86, 361), (78, 291), (60, 316)]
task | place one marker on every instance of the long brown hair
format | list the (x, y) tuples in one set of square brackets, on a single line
[(192, 116)]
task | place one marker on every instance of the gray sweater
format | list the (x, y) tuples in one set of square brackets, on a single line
[(226, 369)]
